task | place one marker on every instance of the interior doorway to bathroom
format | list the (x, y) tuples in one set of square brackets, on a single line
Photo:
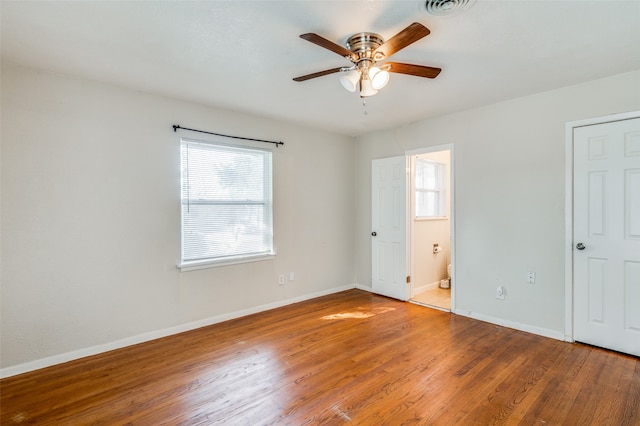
[(430, 203)]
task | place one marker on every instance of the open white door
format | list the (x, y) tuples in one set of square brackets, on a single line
[(389, 227), (606, 254)]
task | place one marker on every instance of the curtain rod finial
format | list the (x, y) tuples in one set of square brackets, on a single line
[(176, 127)]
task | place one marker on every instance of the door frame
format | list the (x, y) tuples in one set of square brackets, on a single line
[(446, 147), (568, 252)]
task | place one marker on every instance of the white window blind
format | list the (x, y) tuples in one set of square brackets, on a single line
[(226, 202), (430, 193)]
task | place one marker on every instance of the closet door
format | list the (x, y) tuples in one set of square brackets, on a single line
[(606, 252)]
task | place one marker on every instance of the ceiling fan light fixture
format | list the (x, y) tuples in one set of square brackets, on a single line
[(379, 77), (366, 89), (350, 80)]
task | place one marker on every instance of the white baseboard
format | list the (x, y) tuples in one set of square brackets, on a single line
[(553, 334), (417, 290), (145, 337), (363, 287), (152, 335)]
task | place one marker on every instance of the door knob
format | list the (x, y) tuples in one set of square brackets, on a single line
[(580, 246), (374, 233)]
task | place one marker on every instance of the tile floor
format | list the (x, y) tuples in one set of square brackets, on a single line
[(438, 297)]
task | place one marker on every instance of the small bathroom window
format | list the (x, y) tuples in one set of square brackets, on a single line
[(430, 189)]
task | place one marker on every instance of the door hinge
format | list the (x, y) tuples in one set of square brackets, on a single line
[(408, 279)]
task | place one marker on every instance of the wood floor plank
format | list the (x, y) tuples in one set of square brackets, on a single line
[(347, 358)]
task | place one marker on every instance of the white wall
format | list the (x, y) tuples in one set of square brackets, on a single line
[(90, 211), (91, 218), (509, 186)]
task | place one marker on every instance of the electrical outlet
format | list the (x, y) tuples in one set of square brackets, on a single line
[(281, 279), (500, 293), (531, 277)]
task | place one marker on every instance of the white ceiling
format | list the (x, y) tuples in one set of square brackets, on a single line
[(242, 55)]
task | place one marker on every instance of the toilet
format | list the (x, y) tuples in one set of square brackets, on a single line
[(446, 283)]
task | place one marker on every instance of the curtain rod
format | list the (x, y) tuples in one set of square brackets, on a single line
[(177, 126)]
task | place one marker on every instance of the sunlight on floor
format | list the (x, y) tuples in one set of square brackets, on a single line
[(360, 313)]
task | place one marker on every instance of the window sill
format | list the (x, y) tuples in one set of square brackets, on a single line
[(431, 218), (203, 264)]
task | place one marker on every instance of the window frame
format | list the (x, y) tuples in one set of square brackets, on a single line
[(216, 261), (439, 189)]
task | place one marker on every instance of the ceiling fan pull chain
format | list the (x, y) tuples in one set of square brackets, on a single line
[(364, 107)]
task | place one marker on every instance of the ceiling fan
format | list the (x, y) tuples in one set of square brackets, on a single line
[(367, 51)]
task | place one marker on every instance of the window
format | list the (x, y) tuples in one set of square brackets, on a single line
[(226, 203), (430, 189)]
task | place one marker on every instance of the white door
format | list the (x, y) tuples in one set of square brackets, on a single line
[(389, 227), (607, 235)]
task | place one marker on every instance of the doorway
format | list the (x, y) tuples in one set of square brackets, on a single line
[(400, 248), (429, 215)]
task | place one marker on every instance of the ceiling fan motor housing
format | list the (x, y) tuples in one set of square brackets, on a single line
[(364, 44)]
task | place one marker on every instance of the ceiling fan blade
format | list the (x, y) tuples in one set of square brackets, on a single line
[(317, 74), (411, 34), (410, 69), (328, 44)]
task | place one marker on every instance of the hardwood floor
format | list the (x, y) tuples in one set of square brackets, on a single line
[(351, 357)]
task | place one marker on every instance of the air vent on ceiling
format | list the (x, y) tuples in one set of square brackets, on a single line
[(446, 7)]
